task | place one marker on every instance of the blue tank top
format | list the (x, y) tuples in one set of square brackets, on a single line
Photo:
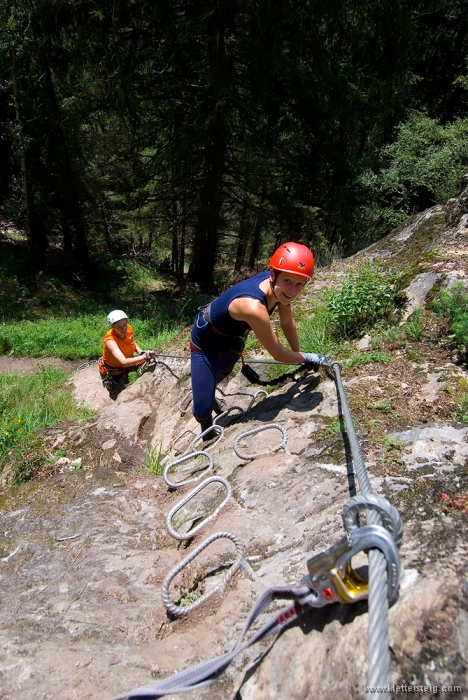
[(227, 328)]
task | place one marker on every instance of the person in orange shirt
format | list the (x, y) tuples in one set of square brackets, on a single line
[(118, 355)]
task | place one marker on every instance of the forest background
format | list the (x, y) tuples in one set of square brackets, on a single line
[(193, 136)]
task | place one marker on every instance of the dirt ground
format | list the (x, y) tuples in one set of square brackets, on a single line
[(28, 365)]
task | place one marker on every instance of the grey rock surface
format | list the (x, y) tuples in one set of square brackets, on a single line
[(84, 552)]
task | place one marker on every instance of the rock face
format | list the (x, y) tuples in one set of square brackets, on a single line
[(84, 553)]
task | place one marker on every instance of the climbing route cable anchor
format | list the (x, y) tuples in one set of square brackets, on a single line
[(332, 576), (391, 518)]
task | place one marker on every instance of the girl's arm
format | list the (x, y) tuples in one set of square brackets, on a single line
[(118, 355), (255, 314), (288, 326)]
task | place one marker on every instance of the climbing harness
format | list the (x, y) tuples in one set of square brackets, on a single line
[(187, 498), (331, 577), (283, 445)]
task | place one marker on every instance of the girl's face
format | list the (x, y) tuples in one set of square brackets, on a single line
[(120, 327), (287, 286)]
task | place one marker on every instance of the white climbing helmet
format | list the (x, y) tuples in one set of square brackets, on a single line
[(115, 316)]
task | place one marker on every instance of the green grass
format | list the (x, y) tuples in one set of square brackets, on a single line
[(29, 403), (75, 338), (383, 405), (453, 305), (62, 319), (462, 413), (155, 459), (313, 328), (366, 358), (414, 327)]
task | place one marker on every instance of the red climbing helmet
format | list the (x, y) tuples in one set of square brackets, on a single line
[(295, 258)]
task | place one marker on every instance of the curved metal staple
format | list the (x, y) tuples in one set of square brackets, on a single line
[(221, 399), (255, 396), (179, 437), (181, 402), (177, 611), (152, 362), (187, 498), (228, 411), (186, 458), (86, 364), (217, 428), (378, 641), (389, 514), (283, 445)]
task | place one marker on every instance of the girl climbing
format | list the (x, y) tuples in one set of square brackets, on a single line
[(219, 333)]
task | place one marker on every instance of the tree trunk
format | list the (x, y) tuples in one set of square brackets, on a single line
[(210, 194), (105, 226), (35, 253), (175, 241), (69, 200), (255, 247), (242, 240), (180, 270)]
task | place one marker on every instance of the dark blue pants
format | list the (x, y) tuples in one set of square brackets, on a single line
[(207, 371)]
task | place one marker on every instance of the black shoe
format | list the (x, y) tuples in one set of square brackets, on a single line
[(204, 425), (218, 407)]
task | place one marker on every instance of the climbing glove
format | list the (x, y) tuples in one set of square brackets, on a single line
[(311, 361)]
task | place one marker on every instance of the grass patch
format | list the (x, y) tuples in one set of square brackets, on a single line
[(75, 338), (462, 412), (30, 403), (414, 327), (383, 405), (313, 330), (454, 306), (155, 459), (367, 358), (66, 320)]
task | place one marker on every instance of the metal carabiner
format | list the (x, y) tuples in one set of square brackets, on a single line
[(391, 518), (332, 576)]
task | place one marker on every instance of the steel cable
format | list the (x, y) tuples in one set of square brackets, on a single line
[(378, 640)]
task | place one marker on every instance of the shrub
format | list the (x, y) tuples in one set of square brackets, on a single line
[(365, 297), (414, 327), (454, 306), (424, 166)]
